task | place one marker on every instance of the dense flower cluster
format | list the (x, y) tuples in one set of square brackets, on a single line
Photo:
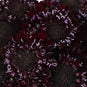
[(52, 32)]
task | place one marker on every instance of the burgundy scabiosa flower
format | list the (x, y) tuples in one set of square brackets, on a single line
[(70, 67), (22, 64), (59, 22), (15, 8), (69, 73), (11, 14)]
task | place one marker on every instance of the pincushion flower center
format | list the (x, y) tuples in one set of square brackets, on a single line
[(25, 59), (55, 31), (6, 29), (64, 76), (17, 8), (2, 70)]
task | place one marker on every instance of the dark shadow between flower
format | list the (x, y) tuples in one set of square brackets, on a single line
[(6, 30)]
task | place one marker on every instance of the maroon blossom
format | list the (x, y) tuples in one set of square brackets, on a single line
[(74, 57), (16, 8), (26, 40), (62, 15)]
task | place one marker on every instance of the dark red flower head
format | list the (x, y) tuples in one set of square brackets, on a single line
[(59, 22)]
